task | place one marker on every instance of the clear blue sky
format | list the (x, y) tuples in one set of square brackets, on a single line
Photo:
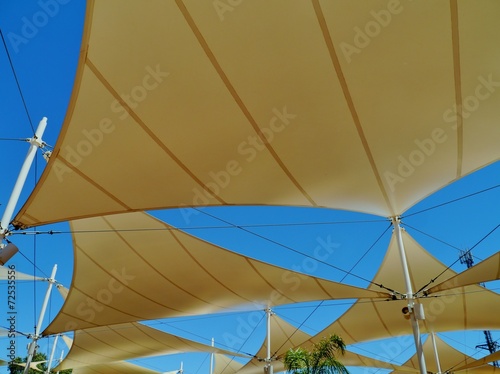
[(43, 42)]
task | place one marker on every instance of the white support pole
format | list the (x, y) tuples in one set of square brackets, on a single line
[(36, 142), (212, 358), (49, 365), (436, 355), (46, 300), (269, 366), (409, 296), (32, 346), (60, 360), (181, 370)]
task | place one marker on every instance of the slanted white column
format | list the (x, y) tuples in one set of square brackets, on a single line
[(36, 142), (60, 360), (414, 309), (436, 355), (33, 344), (49, 364)]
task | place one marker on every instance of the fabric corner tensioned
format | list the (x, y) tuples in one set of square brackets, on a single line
[(118, 255), (360, 139)]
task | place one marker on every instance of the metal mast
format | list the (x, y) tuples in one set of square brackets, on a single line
[(490, 345), (414, 309)]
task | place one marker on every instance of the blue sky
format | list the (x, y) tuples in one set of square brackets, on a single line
[(43, 40)]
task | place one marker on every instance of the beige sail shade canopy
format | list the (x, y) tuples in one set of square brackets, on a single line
[(484, 271), (285, 336), (102, 348), (349, 359), (481, 365), (7, 273), (226, 365), (449, 357), (364, 106), (33, 365), (114, 368), (457, 309), (105, 345), (144, 269)]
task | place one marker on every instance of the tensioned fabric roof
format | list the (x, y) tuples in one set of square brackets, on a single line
[(108, 344), (484, 271), (349, 359), (33, 365), (481, 365), (114, 368), (483, 369), (102, 348), (456, 309), (109, 367), (365, 106), (450, 359), (226, 365), (144, 269), (285, 336)]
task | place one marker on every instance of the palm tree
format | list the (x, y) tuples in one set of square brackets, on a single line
[(14, 368), (321, 359)]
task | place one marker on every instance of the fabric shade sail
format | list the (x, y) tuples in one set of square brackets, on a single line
[(355, 359), (283, 337), (114, 368), (63, 291), (8, 274), (450, 359), (144, 269), (484, 369), (480, 365), (365, 106), (33, 365), (111, 344), (485, 271), (226, 365), (349, 359), (461, 308)]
